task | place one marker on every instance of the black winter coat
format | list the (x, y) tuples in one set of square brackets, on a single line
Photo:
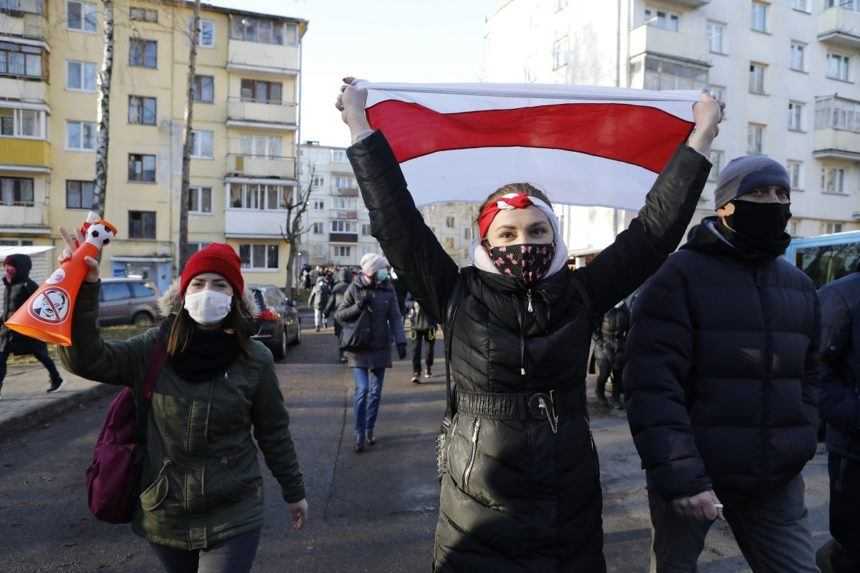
[(14, 296), (721, 370), (840, 365), (386, 320), (519, 496)]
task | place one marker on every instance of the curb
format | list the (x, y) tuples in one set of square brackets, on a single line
[(40, 414)]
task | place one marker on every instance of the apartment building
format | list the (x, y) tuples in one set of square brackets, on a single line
[(246, 124), (787, 70), (453, 223), (337, 223)]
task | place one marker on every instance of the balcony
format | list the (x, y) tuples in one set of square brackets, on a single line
[(274, 115), (265, 58), (343, 237), (346, 215), (25, 90), (261, 166), (839, 27), (689, 3), (837, 128), (254, 223), (32, 155), (346, 192), (23, 18), (675, 45), (837, 144)]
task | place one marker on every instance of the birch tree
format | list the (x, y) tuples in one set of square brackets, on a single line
[(188, 142), (104, 84), (296, 206)]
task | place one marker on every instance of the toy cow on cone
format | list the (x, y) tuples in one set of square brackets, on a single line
[(47, 314)]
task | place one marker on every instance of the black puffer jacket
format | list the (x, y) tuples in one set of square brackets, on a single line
[(721, 370), (15, 294), (517, 495), (840, 365)]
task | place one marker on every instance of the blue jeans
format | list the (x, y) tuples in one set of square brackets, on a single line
[(365, 403)]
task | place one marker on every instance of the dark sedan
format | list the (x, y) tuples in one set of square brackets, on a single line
[(277, 321)]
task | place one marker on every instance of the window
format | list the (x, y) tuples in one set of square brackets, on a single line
[(837, 113), (846, 4), (345, 203), (830, 228), (802, 5), (467, 233), (344, 182), (717, 37), (798, 56), (114, 291), (198, 246), (203, 90), (838, 67), (319, 205), (29, 123), (794, 227), (143, 53), (826, 263), (662, 19), (338, 226), (716, 164), (759, 16), (560, 52), (141, 168), (81, 16), (140, 290), (80, 194), (318, 181), (81, 76), (143, 15), (202, 143), (259, 196), (263, 30), (755, 138), (261, 145), (338, 155), (199, 199), (795, 174), (317, 228), (206, 39), (141, 224), (261, 91), (26, 6), (449, 222), (341, 251), (16, 192), (142, 110), (81, 135), (833, 180), (256, 256), (665, 75), (795, 115), (757, 78), (365, 229), (20, 60)]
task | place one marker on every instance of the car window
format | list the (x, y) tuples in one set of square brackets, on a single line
[(274, 297), (114, 291), (140, 290)]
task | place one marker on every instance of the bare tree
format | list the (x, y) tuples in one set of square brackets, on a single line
[(293, 229), (188, 141), (104, 85)]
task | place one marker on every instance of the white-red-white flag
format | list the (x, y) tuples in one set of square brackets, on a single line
[(582, 145)]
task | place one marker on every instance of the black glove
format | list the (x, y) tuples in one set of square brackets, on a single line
[(401, 351)]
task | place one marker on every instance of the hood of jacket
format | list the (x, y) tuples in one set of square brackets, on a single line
[(23, 264)]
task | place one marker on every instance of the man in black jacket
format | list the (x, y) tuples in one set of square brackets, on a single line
[(342, 281), (840, 407), (609, 340), (423, 331), (720, 380), (18, 288)]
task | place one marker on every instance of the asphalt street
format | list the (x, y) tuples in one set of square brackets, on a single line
[(373, 512)]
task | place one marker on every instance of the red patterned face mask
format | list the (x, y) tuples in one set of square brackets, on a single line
[(527, 262)]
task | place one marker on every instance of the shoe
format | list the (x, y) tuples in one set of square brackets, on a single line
[(55, 385), (342, 359), (427, 373), (415, 377), (370, 439), (359, 446), (317, 328)]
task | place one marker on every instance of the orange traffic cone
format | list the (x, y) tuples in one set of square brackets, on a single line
[(47, 314)]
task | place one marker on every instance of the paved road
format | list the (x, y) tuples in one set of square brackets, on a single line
[(375, 512)]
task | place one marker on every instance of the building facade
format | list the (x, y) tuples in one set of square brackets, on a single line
[(336, 223), (247, 90), (787, 70), (453, 223)]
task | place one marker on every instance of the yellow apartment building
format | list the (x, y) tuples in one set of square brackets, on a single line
[(246, 124)]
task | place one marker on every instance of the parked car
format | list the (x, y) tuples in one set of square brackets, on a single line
[(277, 321), (128, 301)]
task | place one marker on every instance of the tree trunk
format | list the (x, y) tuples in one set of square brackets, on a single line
[(297, 205), (188, 141), (103, 117)]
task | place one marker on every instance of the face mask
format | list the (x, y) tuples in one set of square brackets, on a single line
[(527, 262), (381, 275), (760, 221), (208, 307)]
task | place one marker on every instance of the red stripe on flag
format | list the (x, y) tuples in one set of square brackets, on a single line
[(635, 134)]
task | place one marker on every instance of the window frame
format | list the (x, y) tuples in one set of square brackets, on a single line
[(765, 7), (761, 130), (145, 43), (18, 181), (201, 23), (826, 173), (795, 180), (81, 194), (142, 112), (846, 60), (753, 89), (146, 12), (28, 54), (252, 84), (722, 26), (793, 107), (93, 10), (143, 225), (267, 252), (198, 192), (197, 88), (143, 171), (82, 76), (803, 51), (81, 138), (40, 123), (806, 10), (197, 143)]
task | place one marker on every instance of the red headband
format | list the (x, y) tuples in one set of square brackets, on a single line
[(504, 203)]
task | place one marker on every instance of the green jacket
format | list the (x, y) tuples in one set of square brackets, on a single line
[(201, 482)]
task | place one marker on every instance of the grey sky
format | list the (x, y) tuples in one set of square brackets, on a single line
[(380, 40)]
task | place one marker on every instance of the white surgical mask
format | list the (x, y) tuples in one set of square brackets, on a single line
[(208, 307)]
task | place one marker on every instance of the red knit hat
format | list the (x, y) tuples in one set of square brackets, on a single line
[(214, 258)]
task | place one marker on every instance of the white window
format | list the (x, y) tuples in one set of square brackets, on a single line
[(81, 16), (263, 30), (795, 173), (143, 15), (81, 76), (338, 156), (317, 228), (450, 222), (757, 72), (716, 164), (759, 16), (338, 226), (345, 202), (27, 123), (795, 115), (81, 135), (365, 229), (837, 113), (830, 228), (341, 251), (16, 192), (319, 205), (560, 52), (717, 37), (838, 67), (663, 74), (802, 5), (318, 181), (794, 227), (202, 143), (258, 257), (662, 19), (20, 60), (798, 56), (755, 138), (269, 146), (259, 196), (199, 199), (344, 182), (833, 180), (206, 39)]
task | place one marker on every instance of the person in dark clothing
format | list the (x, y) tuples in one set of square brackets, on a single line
[(721, 381), (18, 287), (839, 384), (342, 282), (609, 340), (520, 490), (423, 331)]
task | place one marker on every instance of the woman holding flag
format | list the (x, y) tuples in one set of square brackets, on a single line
[(521, 491)]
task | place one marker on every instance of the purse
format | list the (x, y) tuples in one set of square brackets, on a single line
[(357, 335)]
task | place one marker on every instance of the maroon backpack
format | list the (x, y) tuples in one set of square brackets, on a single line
[(114, 474)]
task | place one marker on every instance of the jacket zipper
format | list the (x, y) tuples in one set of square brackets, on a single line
[(768, 372), (522, 334), (467, 473), (529, 299)]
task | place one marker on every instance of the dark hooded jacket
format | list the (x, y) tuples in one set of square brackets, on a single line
[(338, 291), (721, 370), (520, 494), (14, 296)]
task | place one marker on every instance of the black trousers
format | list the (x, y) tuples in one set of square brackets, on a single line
[(420, 337), (605, 367), (844, 509), (41, 355)]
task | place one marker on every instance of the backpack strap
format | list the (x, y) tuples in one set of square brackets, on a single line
[(457, 296)]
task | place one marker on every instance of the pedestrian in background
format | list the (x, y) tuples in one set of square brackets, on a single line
[(18, 287), (372, 291), (423, 332), (338, 291), (721, 381), (840, 408), (318, 301), (609, 341), (201, 500)]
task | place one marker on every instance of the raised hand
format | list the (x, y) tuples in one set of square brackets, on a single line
[(351, 102), (72, 243)]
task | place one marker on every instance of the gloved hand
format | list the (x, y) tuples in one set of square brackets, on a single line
[(401, 351)]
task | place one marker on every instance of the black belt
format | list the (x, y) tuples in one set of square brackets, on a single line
[(545, 405)]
